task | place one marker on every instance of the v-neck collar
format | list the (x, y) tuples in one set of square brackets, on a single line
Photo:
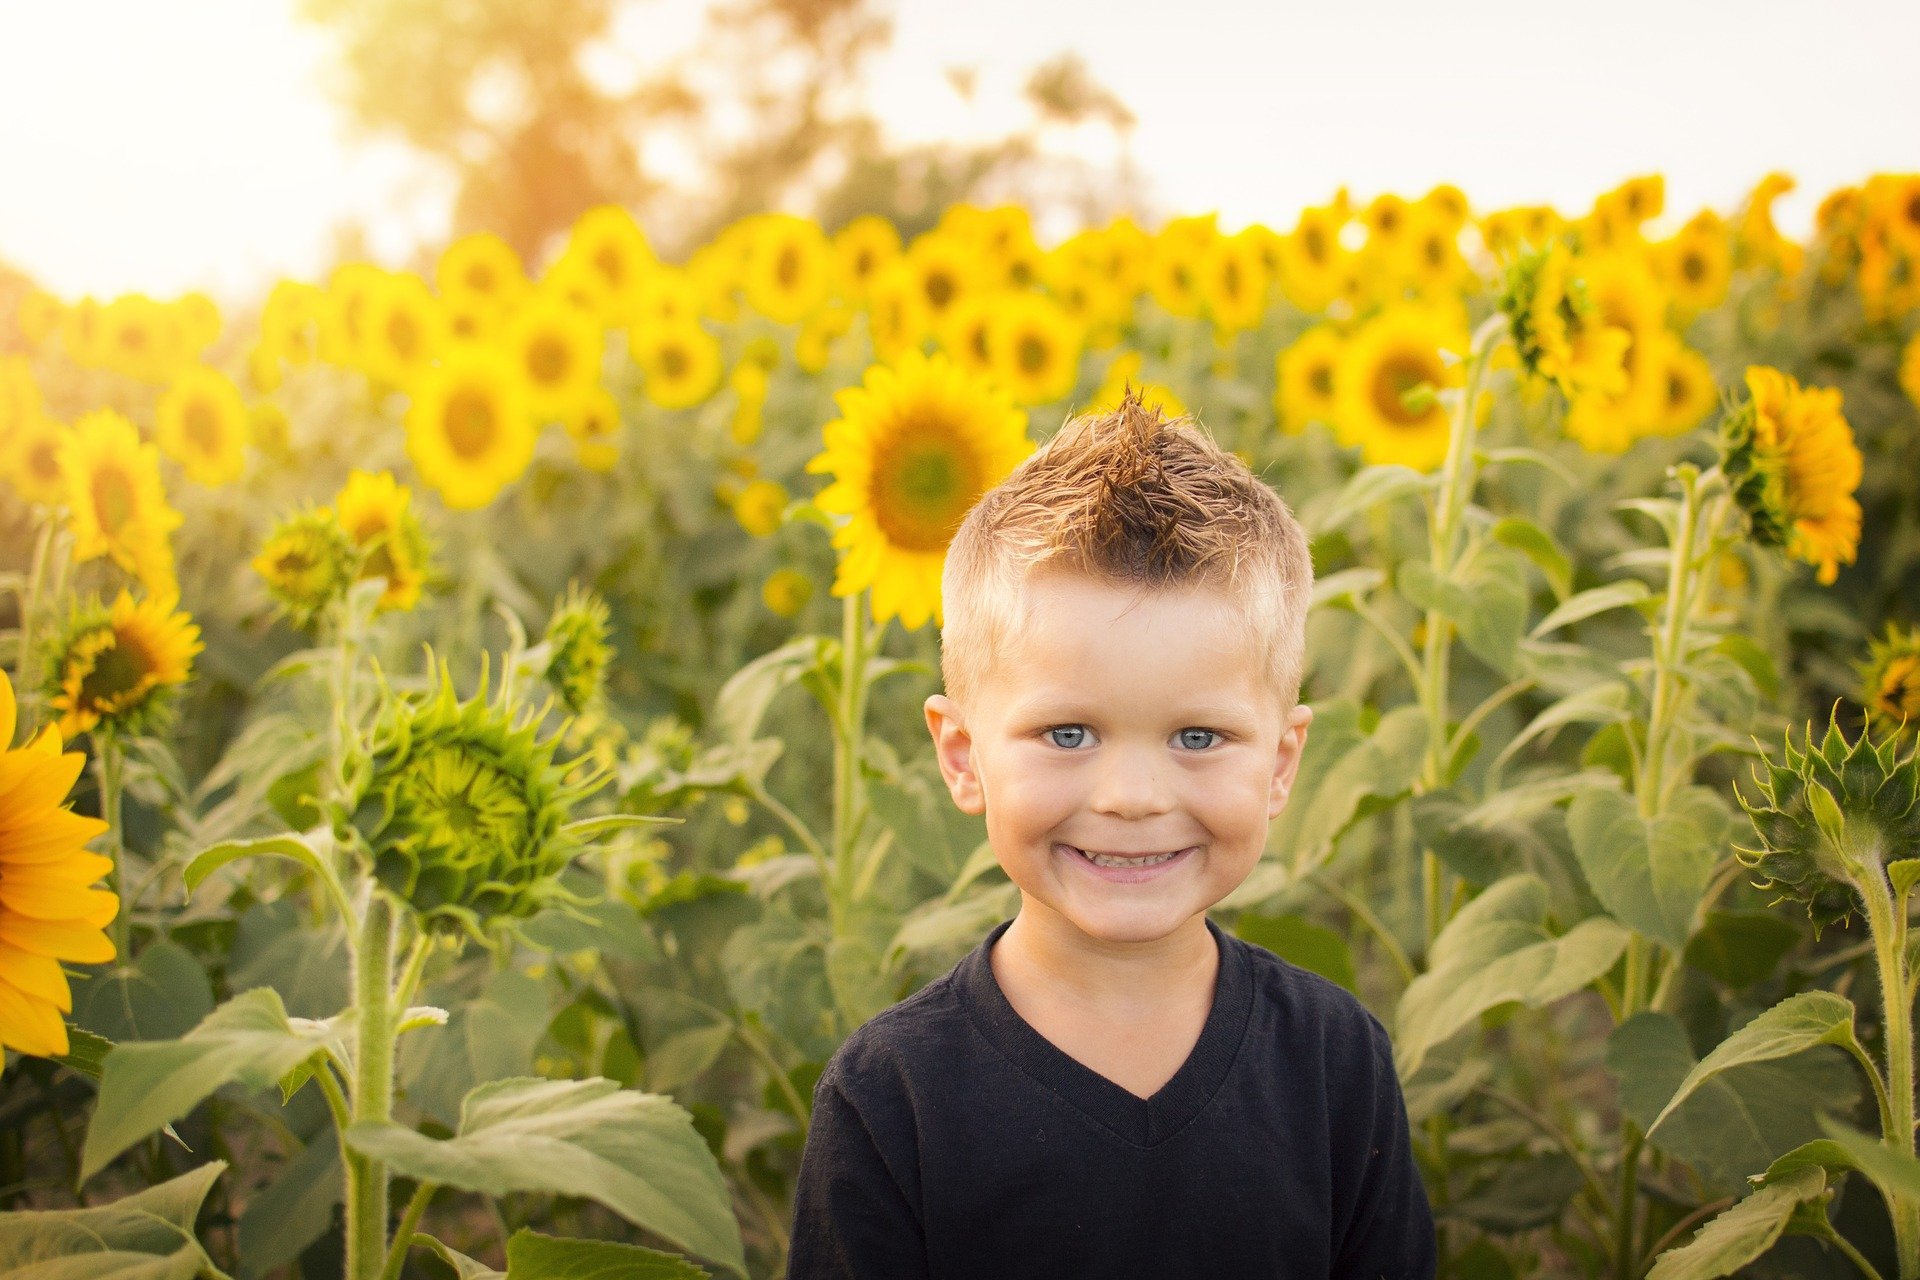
[(1142, 1121)]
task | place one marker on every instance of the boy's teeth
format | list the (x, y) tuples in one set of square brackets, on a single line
[(1102, 860)]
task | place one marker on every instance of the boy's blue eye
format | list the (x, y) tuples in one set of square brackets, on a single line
[(1186, 738), (1067, 728), (1197, 746)]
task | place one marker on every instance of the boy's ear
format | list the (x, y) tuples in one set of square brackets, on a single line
[(1286, 764), (953, 748)]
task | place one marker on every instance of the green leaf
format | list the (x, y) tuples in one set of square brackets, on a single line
[(1742, 1233), (85, 1052), (1597, 600), (1498, 949), (1355, 774), (743, 700), (1299, 941), (464, 1268), (1650, 874), (1487, 602), (491, 1035), (1741, 948), (1903, 874), (207, 861), (1795, 1024), (1521, 1194), (146, 1236), (249, 1039), (1534, 457), (635, 1153), (1369, 487), (1345, 583), (1539, 546), (1896, 1173), (294, 1210), (1484, 840), (532, 1256), (1604, 703), (587, 830), (157, 997), (1752, 659)]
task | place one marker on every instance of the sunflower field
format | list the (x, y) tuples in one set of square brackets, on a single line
[(470, 773)]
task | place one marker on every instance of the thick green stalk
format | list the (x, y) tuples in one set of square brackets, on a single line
[(372, 1089), (1889, 928)]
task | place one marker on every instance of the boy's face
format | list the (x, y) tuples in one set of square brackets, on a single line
[(1127, 722)]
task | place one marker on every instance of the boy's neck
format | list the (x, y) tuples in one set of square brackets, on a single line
[(1043, 953)]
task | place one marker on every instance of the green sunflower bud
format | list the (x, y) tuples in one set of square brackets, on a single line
[(308, 562), (577, 636), (1831, 818), (461, 812), (1758, 484)]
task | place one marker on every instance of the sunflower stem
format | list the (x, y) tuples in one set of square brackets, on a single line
[(1889, 929), (846, 757), (366, 1178), (26, 681)]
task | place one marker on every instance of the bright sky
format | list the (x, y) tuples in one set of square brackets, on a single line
[(188, 144)]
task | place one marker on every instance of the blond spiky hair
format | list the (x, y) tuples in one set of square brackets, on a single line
[(1128, 497)]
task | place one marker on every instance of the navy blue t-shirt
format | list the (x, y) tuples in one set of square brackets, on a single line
[(951, 1140)]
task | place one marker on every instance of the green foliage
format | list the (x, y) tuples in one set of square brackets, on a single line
[(145, 1236)]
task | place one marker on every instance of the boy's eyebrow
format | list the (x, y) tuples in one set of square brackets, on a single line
[(1042, 707)]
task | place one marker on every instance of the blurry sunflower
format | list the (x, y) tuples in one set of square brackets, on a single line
[(291, 320), (1034, 348), (715, 270), (49, 912), (82, 331), (681, 363), (861, 250), (1305, 371), (749, 382), (1890, 679), (353, 290), (116, 506), (1313, 262), (469, 431), (967, 333), (1506, 232), (1626, 296), (667, 295), (30, 460), (1758, 241), (1794, 467), (1174, 263), (1428, 254), (1386, 218), (377, 513), (116, 667), (786, 592), (1124, 373), (38, 316), (1894, 199), (1696, 266), (406, 330), (201, 423), (576, 638), (1558, 331), (140, 338), (480, 267), (1233, 283), (914, 448), (789, 268), (307, 562), (758, 507), (558, 349), (270, 430), (20, 398), (1691, 392), (1377, 387), (595, 427), (1448, 203), (897, 315), (943, 269), (200, 322), (608, 247)]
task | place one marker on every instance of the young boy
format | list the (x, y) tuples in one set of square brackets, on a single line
[(1109, 1085)]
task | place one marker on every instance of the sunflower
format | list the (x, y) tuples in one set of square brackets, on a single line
[(1427, 253), (1124, 374), (469, 431), (1890, 679), (667, 295), (291, 321), (199, 320), (1626, 296), (353, 290), (861, 251), (943, 270), (681, 363), (116, 506), (1506, 232), (1233, 283), (1894, 199), (406, 330), (1449, 204), (1791, 458), (558, 350), (30, 460), (1386, 219), (1377, 382), (577, 638), (38, 316), (789, 268), (897, 313), (116, 667), (758, 507), (49, 913), (966, 335), (141, 338), (20, 398), (81, 331), (1690, 390), (1758, 241), (594, 426), (1559, 334), (1174, 263), (308, 562), (480, 267), (1696, 266), (1305, 372), (608, 248), (786, 591), (914, 448), (377, 512), (1313, 262), (749, 382), (202, 424), (1034, 348)]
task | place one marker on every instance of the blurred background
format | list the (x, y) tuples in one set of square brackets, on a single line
[(221, 144)]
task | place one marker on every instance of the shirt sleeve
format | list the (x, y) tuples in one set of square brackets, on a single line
[(1390, 1233), (851, 1221)]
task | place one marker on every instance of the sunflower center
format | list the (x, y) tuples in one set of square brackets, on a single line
[(480, 278), (403, 335), (1314, 241), (471, 423), (1034, 353), (201, 425), (1320, 378), (1694, 268), (43, 459), (610, 265), (118, 670), (1230, 279), (1913, 209), (1398, 374), (547, 359), (786, 268), (940, 290), (114, 499), (924, 479), (673, 361)]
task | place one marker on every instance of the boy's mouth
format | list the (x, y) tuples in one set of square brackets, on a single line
[(1127, 860)]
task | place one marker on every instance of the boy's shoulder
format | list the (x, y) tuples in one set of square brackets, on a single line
[(918, 1029), (1307, 1002)]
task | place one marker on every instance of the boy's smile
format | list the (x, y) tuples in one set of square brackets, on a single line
[(1129, 724)]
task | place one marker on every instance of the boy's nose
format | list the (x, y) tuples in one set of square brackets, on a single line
[(1132, 783)]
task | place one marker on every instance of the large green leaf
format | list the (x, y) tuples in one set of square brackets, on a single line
[(635, 1153), (1498, 949), (743, 700), (1896, 1173), (157, 997), (294, 1210), (146, 1236), (1614, 595), (1356, 773), (1741, 947), (1743, 1232), (486, 1037), (1486, 599), (1299, 941), (532, 1256), (143, 1086), (314, 852), (1522, 1193), (1650, 873), (1795, 1025)]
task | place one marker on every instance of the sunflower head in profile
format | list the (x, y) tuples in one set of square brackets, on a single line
[(49, 912), (459, 811), (913, 449), (577, 638), (681, 363), (308, 562), (469, 431), (1557, 330), (1890, 680), (376, 511), (1385, 385), (116, 506), (1792, 462), (201, 423), (115, 668)]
